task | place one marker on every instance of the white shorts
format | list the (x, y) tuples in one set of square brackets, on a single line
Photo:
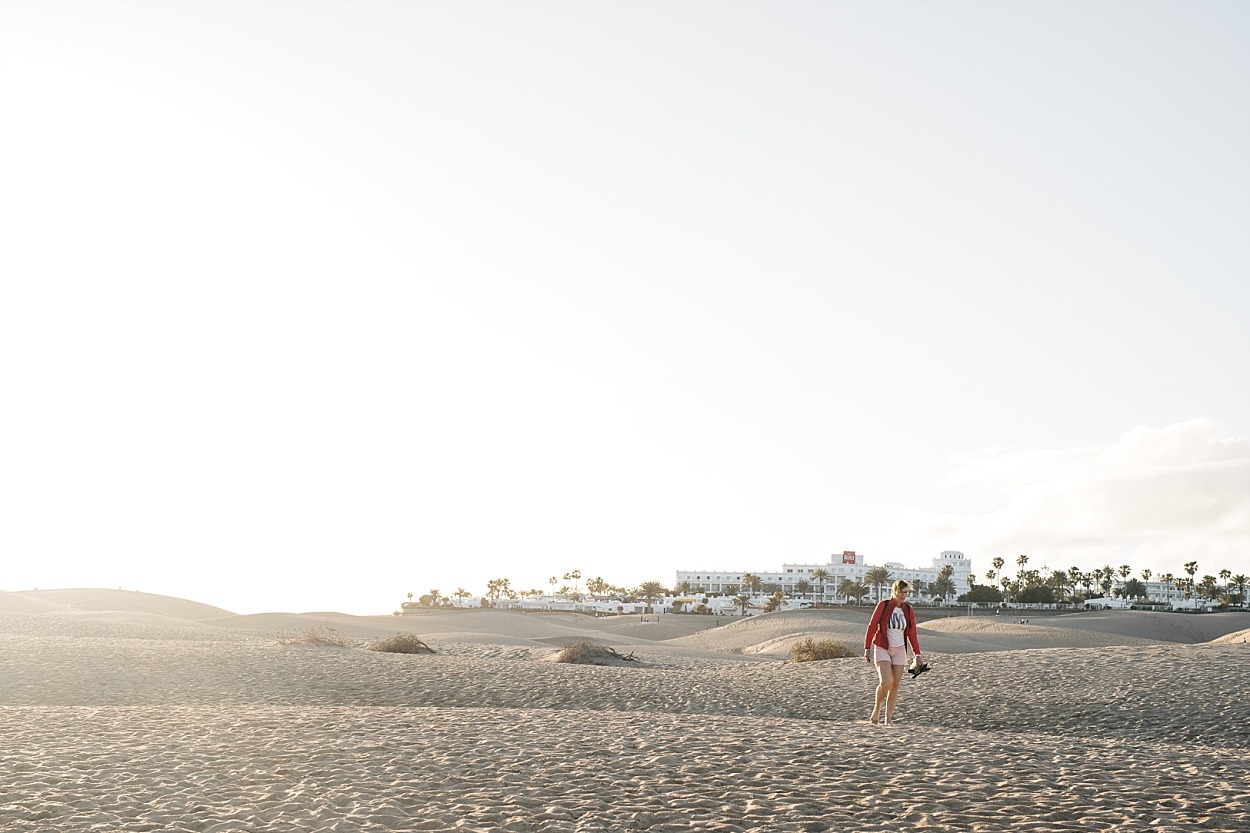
[(894, 656)]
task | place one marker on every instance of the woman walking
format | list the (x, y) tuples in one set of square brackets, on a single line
[(890, 631)]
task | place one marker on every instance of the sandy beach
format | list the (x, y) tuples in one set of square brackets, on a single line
[(130, 711)]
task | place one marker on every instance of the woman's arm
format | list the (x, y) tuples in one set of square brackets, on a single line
[(912, 636), (874, 624)]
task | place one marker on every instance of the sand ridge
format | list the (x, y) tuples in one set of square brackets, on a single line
[(122, 720)]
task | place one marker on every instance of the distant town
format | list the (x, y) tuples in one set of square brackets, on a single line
[(849, 579)]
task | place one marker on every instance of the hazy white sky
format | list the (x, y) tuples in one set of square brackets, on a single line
[(307, 305)]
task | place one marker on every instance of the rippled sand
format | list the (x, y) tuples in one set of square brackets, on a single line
[(141, 722)]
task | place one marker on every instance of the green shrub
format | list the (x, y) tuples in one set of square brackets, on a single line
[(402, 643), (809, 650)]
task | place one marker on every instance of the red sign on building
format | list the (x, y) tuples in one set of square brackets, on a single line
[(848, 556)]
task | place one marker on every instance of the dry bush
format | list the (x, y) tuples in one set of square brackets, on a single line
[(402, 643), (589, 653), (809, 650), (316, 636)]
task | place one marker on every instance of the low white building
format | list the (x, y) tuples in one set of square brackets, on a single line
[(1160, 591), (849, 565), (1106, 603)]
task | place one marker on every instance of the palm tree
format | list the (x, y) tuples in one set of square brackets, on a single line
[(461, 594), (1125, 571), (998, 564), (850, 587), (1191, 568), (1058, 582), (1021, 560), (1146, 574), (802, 587), (1108, 580), (576, 577), (751, 582), (1225, 574), (1239, 581), (743, 602), (943, 586), (553, 581), (650, 592), (876, 578), (820, 575), (1178, 584), (1074, 577)]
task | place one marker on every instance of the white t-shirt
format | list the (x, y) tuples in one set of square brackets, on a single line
[(896, 628)]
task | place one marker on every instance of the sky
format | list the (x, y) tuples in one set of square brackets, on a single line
[(309, 305)]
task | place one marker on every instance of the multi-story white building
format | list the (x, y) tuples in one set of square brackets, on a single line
[(848, 565)]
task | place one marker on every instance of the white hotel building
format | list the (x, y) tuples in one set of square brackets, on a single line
[(848, 565)]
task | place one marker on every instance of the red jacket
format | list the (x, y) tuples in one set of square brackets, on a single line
[(880, 622)]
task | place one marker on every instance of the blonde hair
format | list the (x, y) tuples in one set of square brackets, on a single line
[(899, 585)]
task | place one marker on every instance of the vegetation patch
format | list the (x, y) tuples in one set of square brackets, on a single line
[(316, 636), (589, 653), (809, 650), (402, 643)]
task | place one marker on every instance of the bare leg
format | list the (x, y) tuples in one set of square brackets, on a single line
[(885, 677), (896, 677)]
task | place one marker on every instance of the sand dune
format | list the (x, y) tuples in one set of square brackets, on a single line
[(961, 634), (23, 603), (1236, 637), (86, 599), (142, 720)]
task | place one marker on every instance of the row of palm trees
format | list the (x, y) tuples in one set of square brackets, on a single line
[(501, 588), (1025, 585), (1065, 584)]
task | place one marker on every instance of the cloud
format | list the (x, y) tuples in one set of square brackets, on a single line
[(1154, 498)]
